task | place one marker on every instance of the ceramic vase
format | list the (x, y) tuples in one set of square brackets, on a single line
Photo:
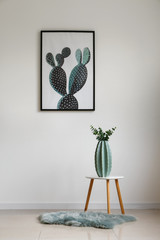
[(103, 159)]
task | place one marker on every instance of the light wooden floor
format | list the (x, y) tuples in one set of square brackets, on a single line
[(24, 225)]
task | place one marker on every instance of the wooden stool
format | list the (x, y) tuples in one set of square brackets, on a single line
[(108, 191)]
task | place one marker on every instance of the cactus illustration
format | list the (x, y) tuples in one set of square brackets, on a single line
[(57, 76), (77, 78)]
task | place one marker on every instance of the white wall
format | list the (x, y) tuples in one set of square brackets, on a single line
[(45, 156)]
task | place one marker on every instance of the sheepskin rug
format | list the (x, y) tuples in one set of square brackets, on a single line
[(85, 219)]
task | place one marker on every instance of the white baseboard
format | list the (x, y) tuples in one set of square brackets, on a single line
[(58, 206)]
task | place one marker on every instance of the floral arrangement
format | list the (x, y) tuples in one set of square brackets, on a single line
[(102, 135)]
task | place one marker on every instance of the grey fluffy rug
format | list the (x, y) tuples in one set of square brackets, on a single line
[(85, 219)]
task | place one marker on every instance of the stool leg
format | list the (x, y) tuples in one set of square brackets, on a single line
[(89, 194), (108, 197), (119, 196)]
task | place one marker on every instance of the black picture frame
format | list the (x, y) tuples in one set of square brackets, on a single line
[(56, 81)]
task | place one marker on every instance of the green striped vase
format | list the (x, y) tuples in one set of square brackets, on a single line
[(103, 159)]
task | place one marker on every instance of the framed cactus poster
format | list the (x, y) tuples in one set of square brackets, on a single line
[(67, 71)]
